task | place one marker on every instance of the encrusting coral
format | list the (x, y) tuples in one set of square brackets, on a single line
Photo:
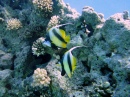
[(13, 24), (40, 78), (43, 5)]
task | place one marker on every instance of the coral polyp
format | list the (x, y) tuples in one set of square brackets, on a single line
[(43, 5), (13, 24), (40, 78)]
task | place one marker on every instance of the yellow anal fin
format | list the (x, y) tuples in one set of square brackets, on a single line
[(63, 45), (67, 38), (69, 75)]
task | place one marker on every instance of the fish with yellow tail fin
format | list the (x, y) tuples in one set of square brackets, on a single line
[(57, 36), (68, 62)]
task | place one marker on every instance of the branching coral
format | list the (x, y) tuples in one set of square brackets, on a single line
[(40, 78), (37, 47), (44, 5), (53, 21), (13, 24)]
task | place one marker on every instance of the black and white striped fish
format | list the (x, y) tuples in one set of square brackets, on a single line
[(68, 62), (57, 37)]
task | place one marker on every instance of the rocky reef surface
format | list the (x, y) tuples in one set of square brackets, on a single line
[(29, 69)]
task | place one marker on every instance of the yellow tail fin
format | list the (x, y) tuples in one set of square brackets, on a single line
[(67, 38)]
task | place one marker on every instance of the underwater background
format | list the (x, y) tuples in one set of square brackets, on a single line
[(50, 49)]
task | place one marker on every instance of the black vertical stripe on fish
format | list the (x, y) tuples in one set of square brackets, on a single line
[(63, 70), (47, 37), (58, 36), (69, 62)]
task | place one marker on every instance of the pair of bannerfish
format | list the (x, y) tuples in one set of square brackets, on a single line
[(59, 38)]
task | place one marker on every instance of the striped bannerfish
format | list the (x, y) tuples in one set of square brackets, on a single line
[(68, 62), (58, 36)]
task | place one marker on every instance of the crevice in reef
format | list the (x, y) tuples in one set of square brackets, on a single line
[(30, 67), (90, 28), (108, 54), (43, 58), (106, 71), (87, 67), (128, 78), (109, 73)]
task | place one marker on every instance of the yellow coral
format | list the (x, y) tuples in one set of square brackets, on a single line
[(45, 5), (40, 78), (13, 24)]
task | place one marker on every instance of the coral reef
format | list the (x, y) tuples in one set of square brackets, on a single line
[(53, 22), (37, 47), (40, 78), (5, 76), (13, 24), (28, 68), (45, 6)]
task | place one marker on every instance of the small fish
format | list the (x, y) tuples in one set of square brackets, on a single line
[(68, 62), (58, 36)]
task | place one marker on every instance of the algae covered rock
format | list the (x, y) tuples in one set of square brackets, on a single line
[(92, 17), (116, 32), (6, 60), (5, 77)]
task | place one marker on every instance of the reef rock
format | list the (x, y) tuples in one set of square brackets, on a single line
[(5, 76), (6, 60)]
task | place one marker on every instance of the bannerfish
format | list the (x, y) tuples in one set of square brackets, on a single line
[(58, 36), (68, 63)]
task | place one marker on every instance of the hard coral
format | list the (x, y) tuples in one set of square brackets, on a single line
[(40, 78), (37, 47), (53, 22), (44, 5), (13, 24)]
